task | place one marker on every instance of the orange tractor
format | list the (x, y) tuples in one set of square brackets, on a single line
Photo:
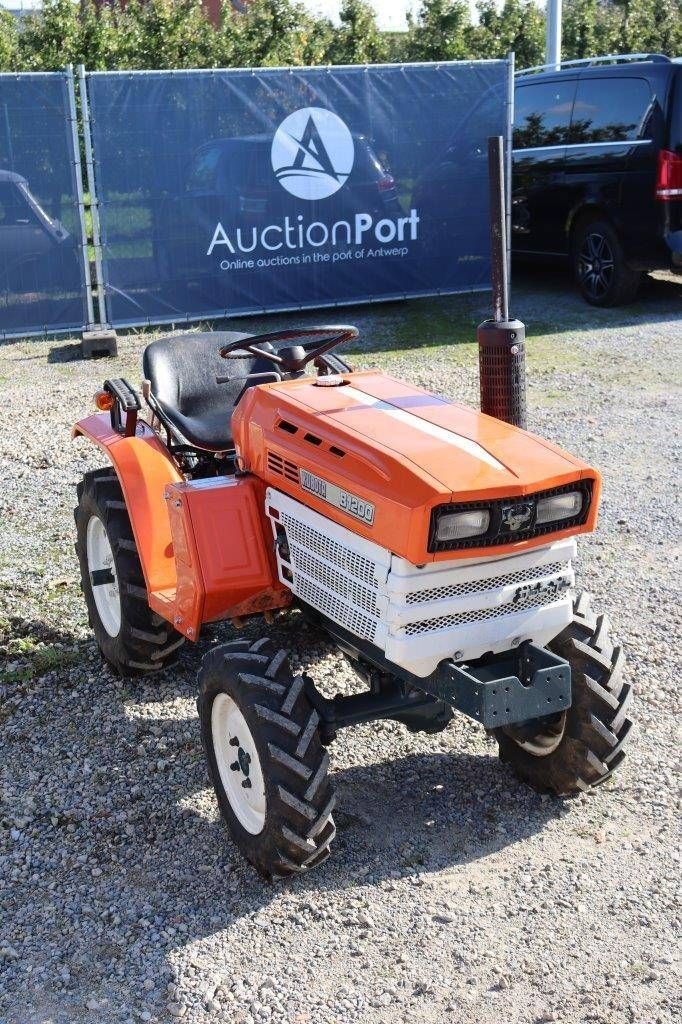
[(433, 543)]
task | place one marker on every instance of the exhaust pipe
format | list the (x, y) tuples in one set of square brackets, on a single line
[(501, 340)]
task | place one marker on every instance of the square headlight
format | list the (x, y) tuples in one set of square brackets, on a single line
[(559, 506), (460, 525)]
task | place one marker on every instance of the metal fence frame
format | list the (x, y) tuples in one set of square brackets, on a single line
[(92, 189), (72, 118), (222, 314)]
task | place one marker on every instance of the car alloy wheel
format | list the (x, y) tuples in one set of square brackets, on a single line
[(596, 264)]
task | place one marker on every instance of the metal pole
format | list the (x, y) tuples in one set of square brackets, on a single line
[(78, 178), (498, 233), (501, 341), (92, 189), (511, 61), (553, 15)]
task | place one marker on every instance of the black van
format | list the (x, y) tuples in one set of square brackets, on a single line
[(598, 171)]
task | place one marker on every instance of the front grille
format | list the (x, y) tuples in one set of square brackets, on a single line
[(534, 600), (497, 534), (481, 586)]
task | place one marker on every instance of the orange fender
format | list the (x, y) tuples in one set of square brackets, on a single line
[(205, 546), (144, 469)]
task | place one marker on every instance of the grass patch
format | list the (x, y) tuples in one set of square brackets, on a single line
[(28, 657)]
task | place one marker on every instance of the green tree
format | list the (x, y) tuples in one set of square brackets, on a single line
[(440, 31), (652, 26), (270, 33), (99, 38), (49, 38), (9, 41), (580, 35), (519, 26), (358, 41), (172, 34)]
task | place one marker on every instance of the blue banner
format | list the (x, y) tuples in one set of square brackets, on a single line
[(231, 192), (42, 276)]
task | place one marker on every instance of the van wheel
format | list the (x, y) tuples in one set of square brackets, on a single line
[(599, 266)]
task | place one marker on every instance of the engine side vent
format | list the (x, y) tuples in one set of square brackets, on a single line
[(281, 466)]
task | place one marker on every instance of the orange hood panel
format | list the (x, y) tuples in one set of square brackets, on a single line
[(402, 449), (459, 447)]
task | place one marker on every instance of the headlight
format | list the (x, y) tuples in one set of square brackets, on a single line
[(459, 525), (559, 506)]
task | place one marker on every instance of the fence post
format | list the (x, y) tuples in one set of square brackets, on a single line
[(80, 198), (94, 201)]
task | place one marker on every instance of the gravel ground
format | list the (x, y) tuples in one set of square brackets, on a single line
[(453, 893)]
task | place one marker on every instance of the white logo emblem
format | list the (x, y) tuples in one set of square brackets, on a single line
[(312, 153)]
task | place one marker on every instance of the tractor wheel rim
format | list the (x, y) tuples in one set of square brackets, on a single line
[(544, 741), (238, 763), (596, 264), (103, 576)]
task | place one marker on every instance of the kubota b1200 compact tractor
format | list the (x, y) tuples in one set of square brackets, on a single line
[(433, 543)]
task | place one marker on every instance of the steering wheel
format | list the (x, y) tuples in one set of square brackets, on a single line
[(292, 358)]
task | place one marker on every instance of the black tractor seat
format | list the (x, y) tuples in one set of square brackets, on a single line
[(182, 370)]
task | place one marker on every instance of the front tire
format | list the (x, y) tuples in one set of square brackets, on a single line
[(580, 748), (265, 758), (599, 267), (132, 638)]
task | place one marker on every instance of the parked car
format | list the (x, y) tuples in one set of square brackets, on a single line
[(231, 180), (29, 237), (597, 171)]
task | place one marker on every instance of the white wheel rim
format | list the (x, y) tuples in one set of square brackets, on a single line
[(238, 763), (103, 577)]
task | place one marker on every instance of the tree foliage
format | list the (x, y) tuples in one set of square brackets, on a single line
[(177, 33)]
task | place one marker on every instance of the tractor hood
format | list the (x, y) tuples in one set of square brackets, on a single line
[(395, 446)]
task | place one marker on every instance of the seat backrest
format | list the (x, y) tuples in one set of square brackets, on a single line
[(182, 371)]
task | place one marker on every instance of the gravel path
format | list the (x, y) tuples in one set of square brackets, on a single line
[(453, 893)]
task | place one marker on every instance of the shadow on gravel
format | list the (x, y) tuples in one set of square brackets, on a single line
[(62, 353), (17, 627), (109, 794), (550, 288)]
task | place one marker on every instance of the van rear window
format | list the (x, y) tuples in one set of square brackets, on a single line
[(611, 110)]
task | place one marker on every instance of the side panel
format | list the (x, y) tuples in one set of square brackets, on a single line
[(144, 469), (225, 561)]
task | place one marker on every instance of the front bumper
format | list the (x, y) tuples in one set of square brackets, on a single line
[(530, 682)]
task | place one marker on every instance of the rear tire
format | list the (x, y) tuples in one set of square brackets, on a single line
[(133, 639), (599, 267), (579, 749), (265, 758)]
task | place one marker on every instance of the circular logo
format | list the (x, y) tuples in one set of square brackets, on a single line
[(312, 153)]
